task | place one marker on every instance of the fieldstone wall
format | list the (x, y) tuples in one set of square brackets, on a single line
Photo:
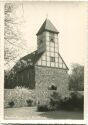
[(45, 77)]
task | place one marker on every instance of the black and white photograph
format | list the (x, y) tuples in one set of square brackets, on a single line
[(44, 56), (36, 124)]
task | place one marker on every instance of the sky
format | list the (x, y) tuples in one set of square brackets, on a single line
[(69, 18)]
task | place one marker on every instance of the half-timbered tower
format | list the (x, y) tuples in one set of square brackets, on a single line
[(47, 41)]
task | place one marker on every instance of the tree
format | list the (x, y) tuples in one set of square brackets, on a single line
[(13, 39), (76, 78), (10, 33)]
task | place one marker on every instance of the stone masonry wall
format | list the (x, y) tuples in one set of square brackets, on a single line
[(44, 77)]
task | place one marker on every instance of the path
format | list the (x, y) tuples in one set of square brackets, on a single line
[(29, 113)]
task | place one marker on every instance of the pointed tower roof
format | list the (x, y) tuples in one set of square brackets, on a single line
[(47, 26)]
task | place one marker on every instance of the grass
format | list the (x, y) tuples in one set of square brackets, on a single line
[(29, 113)]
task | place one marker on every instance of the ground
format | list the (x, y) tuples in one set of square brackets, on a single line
[(29, 113)]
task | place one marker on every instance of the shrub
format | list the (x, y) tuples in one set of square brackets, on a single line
[(55, 100), (66, 104), (20, 96), (42, 108), (73, 103), (78, 101), (29, 102), (81, 102), (11, 104)]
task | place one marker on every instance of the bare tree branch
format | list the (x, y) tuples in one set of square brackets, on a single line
[(12, 36)]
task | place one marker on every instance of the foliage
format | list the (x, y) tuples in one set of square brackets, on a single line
[(8, 79), (13, 38), (29, 102), (53, 104), (19, 96), (76, 78), (10, 32), (42, 108), (75, 102), (11, 104), (55, 99)]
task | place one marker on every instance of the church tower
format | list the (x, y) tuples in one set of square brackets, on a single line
[(47, 42), (47, 33)]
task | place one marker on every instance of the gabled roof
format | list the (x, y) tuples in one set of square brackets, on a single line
[(47, 26), (30, 60), (33, 57), (63, 61), (27, 61)]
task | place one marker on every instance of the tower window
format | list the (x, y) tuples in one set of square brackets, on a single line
[(52, 59)]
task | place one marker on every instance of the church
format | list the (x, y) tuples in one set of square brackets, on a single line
[(43, 69)]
